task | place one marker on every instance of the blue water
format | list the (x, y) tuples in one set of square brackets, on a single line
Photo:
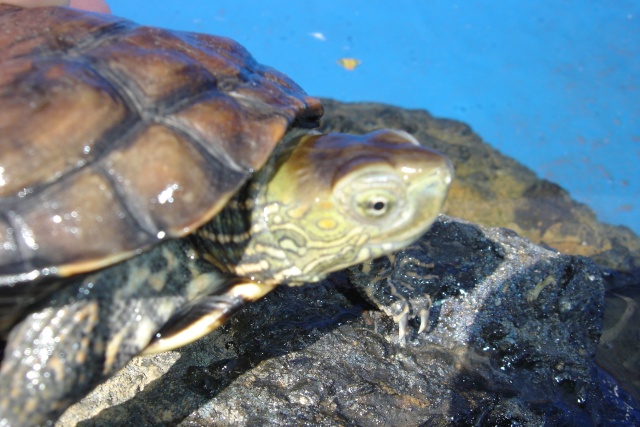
[(554, 84)]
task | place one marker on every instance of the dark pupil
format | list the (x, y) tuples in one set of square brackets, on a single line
[(378, 206)]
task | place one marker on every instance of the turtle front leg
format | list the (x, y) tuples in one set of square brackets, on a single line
[(206, 315), (399, 285)]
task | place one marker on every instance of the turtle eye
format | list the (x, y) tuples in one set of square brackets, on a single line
[(375, 206), (374, 195)]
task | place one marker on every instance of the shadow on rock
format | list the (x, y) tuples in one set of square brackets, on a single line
[(165, 388)]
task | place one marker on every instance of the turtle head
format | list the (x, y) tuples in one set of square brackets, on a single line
[(337, 200)]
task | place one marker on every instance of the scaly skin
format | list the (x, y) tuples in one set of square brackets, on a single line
[(320, 204)]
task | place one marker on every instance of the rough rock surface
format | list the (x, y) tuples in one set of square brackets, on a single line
[(512, 336), (495, 190), (493, 354)]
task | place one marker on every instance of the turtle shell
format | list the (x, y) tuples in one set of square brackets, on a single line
[(115, 136)]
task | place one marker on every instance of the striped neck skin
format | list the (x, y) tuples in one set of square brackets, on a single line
[(238, 240), (262, 235)]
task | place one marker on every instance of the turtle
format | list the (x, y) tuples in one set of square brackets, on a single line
[(153, 182)]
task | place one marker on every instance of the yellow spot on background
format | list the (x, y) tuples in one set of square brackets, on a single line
[(349, 64)]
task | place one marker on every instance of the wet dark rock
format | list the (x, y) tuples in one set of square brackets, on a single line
[(513, 326), (494, 190), (513, 342)]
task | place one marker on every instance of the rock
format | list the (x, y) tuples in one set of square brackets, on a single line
[(495, 190), (512, 331), (512, 336)]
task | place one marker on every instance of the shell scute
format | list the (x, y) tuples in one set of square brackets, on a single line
[(186, 181), (152, 66), (59, 135), (56, 228)]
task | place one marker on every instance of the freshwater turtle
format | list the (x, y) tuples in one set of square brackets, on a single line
[(152, 182)]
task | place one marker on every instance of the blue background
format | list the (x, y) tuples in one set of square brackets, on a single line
[(552, 83)]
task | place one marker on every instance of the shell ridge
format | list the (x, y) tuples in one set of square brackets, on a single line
[(15, 222), (103, 35), (132, 96), (211, 152), (100, 150), (184, 97), (131, 213)]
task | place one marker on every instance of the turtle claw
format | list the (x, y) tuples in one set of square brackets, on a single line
[(404, 310), (402, 319), (424, 321), (424, 314), (401, 286)]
